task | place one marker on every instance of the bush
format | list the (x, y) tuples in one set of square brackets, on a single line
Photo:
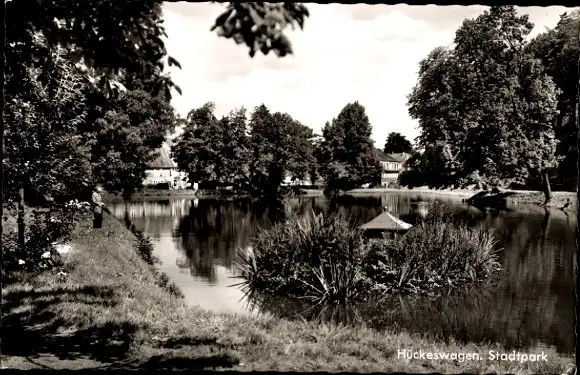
[(145, 248), (325, 260), (171, 287), (314, 257), (441, 252), (46, 228)]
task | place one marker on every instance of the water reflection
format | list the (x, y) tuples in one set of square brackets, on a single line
[(531, 303)]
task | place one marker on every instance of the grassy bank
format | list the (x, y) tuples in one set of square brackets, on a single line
[(110, 312)]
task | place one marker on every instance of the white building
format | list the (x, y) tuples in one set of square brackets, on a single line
[(163, 170), (392, 165), (290, 181)]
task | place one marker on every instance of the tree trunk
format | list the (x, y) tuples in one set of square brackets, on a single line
[(546, 226), (2, 154), (547, 188), (20, 220)]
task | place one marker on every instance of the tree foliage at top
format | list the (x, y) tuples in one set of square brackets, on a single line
[(559, 51), (43, 146), (278, 144), (396, 143), (347, 155), (260, 26), (486, 108), (89, 50), (110, 39)]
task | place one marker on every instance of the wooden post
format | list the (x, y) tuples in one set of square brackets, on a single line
[(20, 220)]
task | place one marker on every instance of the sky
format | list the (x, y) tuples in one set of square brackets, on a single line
[(367, 53)]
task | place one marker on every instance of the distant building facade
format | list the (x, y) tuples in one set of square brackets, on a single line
[(290, 181), (163, 170), (393, 165)]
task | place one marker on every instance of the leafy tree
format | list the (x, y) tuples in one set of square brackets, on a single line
[(110, 38), (260, 157), (486, 107), (301, 159), (397, 144), (212, 151), (193, 150), (559, 51), (98, 58), (317, 158), (347, 154), (44, 149), (278, 144), (235, 149), (122, 140), (260, 26)]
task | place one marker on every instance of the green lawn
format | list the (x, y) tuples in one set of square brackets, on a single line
[(109, 312)]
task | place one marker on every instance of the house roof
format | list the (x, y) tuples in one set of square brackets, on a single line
[(385, 157), (163, 159), (386, 221), (400, 157)]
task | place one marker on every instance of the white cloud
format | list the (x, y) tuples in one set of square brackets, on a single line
[(368, 53)]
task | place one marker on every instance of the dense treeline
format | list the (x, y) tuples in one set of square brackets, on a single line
[(255, 154), (87, 103), (251, 155), (498, 109), (347, 155), (87, 99)]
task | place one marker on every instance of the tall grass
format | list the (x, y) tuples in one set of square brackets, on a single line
[(440, 253), (318, 258), (324, 260)]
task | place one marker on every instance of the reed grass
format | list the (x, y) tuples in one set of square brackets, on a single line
[(324, 260), (441, 253), (318, 258)]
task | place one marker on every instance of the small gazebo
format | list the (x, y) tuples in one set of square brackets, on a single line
[(385, 222)]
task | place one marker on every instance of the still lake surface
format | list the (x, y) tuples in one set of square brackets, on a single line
[(530, 304)]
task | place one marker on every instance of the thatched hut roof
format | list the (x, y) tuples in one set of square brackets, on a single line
[(386, 222)]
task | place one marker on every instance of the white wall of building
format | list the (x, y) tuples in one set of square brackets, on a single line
[(160, 176)]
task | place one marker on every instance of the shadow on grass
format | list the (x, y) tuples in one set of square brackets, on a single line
[(32, 329), (179, 342), (181, 363)]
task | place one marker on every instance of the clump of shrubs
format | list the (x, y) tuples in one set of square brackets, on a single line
[(435, 255), (317, 257), (325, 260), (145, 249), (43, 231)]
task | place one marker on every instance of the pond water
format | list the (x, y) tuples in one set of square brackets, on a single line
[(530, 304)]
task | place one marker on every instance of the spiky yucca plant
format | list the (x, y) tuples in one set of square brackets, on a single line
[(316, 257)]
